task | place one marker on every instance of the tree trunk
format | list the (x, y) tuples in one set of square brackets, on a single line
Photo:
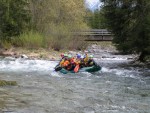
[(142, 56)]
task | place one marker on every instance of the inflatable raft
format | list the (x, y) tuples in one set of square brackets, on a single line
[(90, 69)]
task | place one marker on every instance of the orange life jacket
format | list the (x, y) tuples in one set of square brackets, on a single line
[(66, 63), (72, 60)]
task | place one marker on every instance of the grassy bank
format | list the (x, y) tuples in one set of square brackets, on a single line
[(36, 40)]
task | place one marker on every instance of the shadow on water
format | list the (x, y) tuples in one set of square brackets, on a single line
[(117, 88)]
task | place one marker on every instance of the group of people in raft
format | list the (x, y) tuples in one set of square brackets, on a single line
[(75, 63)]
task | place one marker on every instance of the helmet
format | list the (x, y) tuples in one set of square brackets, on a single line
[(65, 55), (62, 55), (69, 56), (91, 56), (82, 56), (78, 56)]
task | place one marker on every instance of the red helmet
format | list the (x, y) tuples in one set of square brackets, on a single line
[(62, 55)]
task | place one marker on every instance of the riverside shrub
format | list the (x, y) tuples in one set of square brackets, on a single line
[(29, 40)]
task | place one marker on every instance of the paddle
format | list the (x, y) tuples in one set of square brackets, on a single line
[(58, 68), (76, 69)]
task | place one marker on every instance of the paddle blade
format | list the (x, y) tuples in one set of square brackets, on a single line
[(58, 68), (76, 69)]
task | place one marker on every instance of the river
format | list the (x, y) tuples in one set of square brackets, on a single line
[(117, 88)]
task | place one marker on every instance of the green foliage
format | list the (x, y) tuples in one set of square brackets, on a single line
[(6, 44), (59, 37), (41, 23), (95, 19), (7, 83), (68, 12), (29, 40), (130, 22), (77, 43), (56, 19), (14, 17)]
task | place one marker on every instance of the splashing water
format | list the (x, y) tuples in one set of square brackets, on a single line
[(114, 89)]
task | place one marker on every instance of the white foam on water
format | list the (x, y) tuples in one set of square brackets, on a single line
[(55, 74), (43, 67), (87, 74), (116, 58), (104, 69), (27, 65), (47, 67), (122, 72)]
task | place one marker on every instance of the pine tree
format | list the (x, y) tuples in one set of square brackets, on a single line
[(129, 21), (14, 17), (95, 19)]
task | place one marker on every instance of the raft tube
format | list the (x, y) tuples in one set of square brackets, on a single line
[(90, 69)]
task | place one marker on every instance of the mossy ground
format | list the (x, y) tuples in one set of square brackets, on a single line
[(7, 83), (3, 94)]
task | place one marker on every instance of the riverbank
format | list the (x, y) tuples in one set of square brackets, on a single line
[(40, 53), (107, 50), (50, 54)]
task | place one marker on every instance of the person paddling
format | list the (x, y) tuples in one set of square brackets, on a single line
[(85, 59), (91, 61), (59, 66)]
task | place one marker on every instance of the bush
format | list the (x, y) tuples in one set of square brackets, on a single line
[(77, 43), (57, 37), (5, 44), (60, 37), (29, 40)]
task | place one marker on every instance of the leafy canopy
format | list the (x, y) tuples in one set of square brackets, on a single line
[(14, 17), (129, 20)]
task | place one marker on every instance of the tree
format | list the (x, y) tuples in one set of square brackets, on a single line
[(96, 19), (56, 19), (67, 12), (129, 21), (14, 17)]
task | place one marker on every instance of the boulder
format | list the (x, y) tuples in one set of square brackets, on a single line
[(24, 56)]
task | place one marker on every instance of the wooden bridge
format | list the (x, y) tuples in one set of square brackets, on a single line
[(96, 35)]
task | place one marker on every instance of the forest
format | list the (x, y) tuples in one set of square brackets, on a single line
[(46, 24), (51, 23)]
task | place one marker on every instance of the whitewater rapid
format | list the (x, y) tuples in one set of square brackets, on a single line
[(116, 88)]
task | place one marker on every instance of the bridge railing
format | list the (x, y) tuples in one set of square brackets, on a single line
[(95, 34)]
